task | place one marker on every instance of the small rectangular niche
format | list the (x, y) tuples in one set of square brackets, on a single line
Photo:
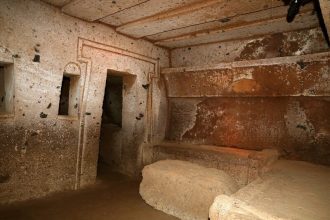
[(6, 89), (69, 98)]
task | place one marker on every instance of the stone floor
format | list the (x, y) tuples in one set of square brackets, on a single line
[(113, 197)]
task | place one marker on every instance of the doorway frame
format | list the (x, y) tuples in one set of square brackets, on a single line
[(88, 61)]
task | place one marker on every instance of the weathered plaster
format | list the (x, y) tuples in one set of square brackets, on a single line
[(268, 46), (297, 126), (279, 103), (282, 76)]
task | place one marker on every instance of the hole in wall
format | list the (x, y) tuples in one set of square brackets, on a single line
[(64, 97), (69, 98)]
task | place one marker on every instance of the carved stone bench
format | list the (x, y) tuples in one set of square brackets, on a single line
[(184, 189), (243, 166)]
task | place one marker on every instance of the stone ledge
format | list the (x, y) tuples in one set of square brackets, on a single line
[(242, 165)]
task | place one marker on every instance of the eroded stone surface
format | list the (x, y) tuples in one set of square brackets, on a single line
[(184, 189), (261, 104), (298, 127), (267, 46), (291, 190)]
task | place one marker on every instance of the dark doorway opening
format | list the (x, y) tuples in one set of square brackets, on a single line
[(113, 101), (111, 123)]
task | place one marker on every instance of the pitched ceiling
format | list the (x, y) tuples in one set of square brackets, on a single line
[(181, 23)]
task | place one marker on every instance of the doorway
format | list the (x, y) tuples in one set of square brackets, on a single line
[(111, 124)]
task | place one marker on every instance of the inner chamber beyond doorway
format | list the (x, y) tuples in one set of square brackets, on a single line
[(111, 124)]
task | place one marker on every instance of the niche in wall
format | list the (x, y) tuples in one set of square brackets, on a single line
[(6, 88), (69, 98)]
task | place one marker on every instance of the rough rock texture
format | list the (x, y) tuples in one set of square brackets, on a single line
[(325, 8), (184, 189), (291, 190), (41, 152), (243, 166)]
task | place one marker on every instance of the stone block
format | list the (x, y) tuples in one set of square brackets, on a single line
[(184, 189)]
